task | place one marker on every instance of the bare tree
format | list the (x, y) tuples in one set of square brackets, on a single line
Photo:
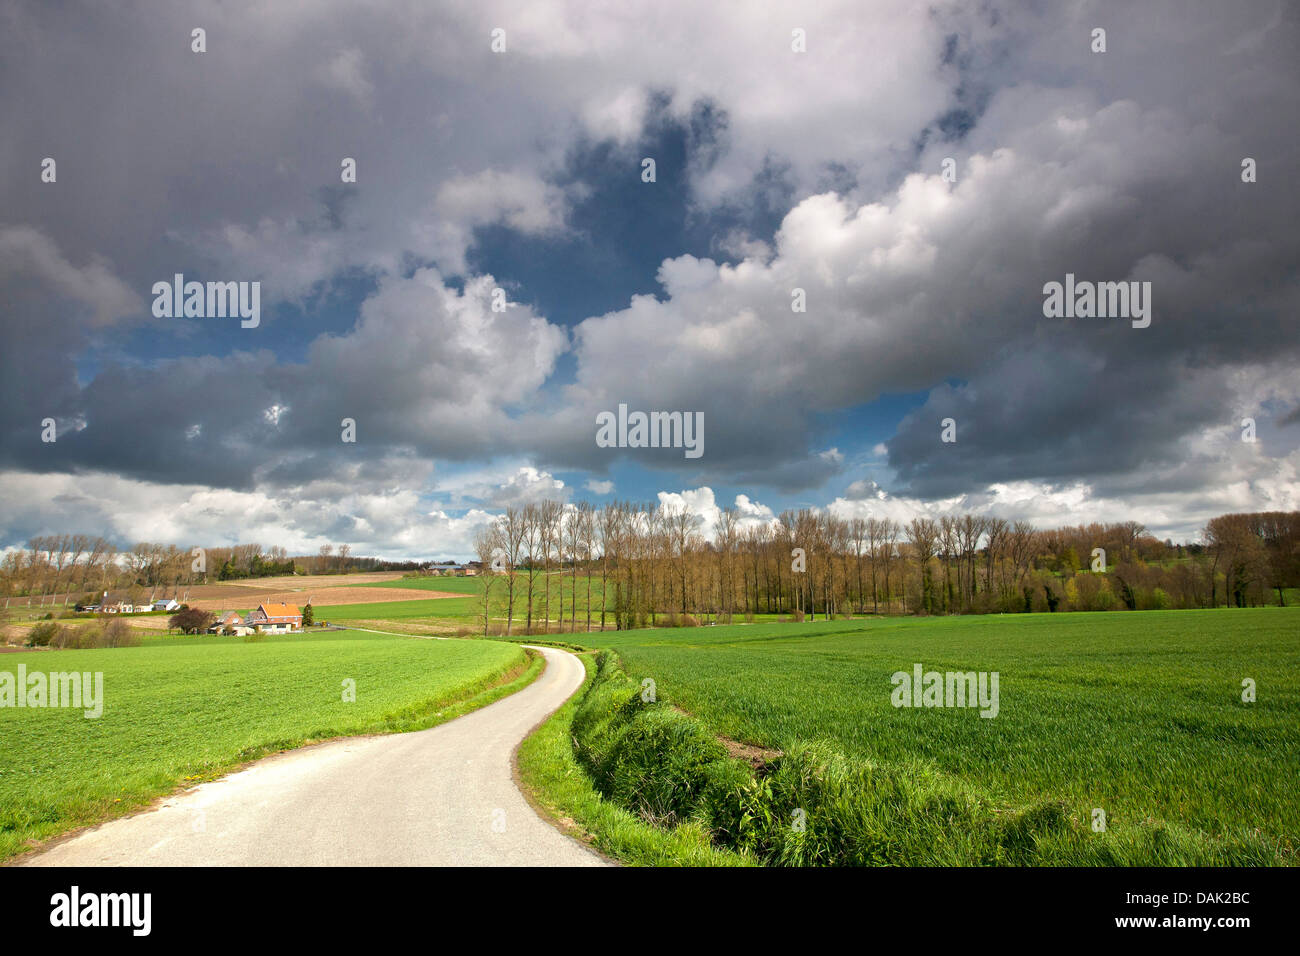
[(531, 545), (486, 542), (923, 535), (550, 513), (572, 539), (586, 517), (611, 523), (510, 538), (995, 530)]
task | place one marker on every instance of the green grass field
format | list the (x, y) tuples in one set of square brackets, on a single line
[(1138, 713), (443, 609), (449, 614), (468, 585), (186, 709)]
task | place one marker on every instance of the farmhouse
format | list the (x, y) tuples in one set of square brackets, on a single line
[(275, 619), (121, 602), (230, 623)]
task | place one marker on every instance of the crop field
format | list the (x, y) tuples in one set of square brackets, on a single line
[(318, 597), (186, 709), (451, 613), (442, 609), (466, 585), (1139, 714)]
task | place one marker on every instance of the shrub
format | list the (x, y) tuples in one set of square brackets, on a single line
[(117, 633), (192, 621), (1052, 599), (112, 632), (74, 638), (1126, 592), (41, 634)]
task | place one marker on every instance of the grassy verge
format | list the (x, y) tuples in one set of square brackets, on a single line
[(814, 804), (551, 773), (1140, 714), (177, 713)]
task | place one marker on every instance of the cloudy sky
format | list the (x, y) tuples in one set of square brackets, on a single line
[(521, 170)]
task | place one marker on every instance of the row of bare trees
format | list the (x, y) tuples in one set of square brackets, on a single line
[(629, 564), (1253, 552), (520, 550), (58, 569), (648, 564)]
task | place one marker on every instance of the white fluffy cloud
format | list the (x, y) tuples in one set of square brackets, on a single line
[(392, 524)]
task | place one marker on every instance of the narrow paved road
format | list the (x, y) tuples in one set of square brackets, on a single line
[(443, 796)]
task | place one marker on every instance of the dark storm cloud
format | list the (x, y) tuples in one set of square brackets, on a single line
[(1123, 165)]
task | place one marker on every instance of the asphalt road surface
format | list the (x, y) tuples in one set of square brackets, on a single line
[(443, 796)]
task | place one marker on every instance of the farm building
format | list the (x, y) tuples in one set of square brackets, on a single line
[(275, 619), (230, 623)]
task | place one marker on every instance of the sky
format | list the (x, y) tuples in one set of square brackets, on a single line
[(919, 170)]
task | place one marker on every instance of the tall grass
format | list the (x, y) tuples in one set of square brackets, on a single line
[(836, 796)]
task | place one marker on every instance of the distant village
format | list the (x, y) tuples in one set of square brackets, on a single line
[(264, 619), (451, 570)]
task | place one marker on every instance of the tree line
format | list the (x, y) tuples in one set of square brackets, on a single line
[(58, 567), (631, 564), (650, 564)]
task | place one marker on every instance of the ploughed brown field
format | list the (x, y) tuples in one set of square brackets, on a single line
[(296, 582), (221, 597), (262, 589)]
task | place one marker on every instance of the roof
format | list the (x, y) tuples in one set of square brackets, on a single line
[(280, 610), (277, 614)]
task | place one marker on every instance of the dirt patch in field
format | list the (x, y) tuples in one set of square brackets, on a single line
[(757, 757), (320, 597), (153, 622)]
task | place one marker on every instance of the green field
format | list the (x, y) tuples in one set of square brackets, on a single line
[(469, 585), (441, 609), (1137, 713), (186, 709), (449, 614)]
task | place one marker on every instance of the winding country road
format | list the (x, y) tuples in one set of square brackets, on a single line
[(443, 796)]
